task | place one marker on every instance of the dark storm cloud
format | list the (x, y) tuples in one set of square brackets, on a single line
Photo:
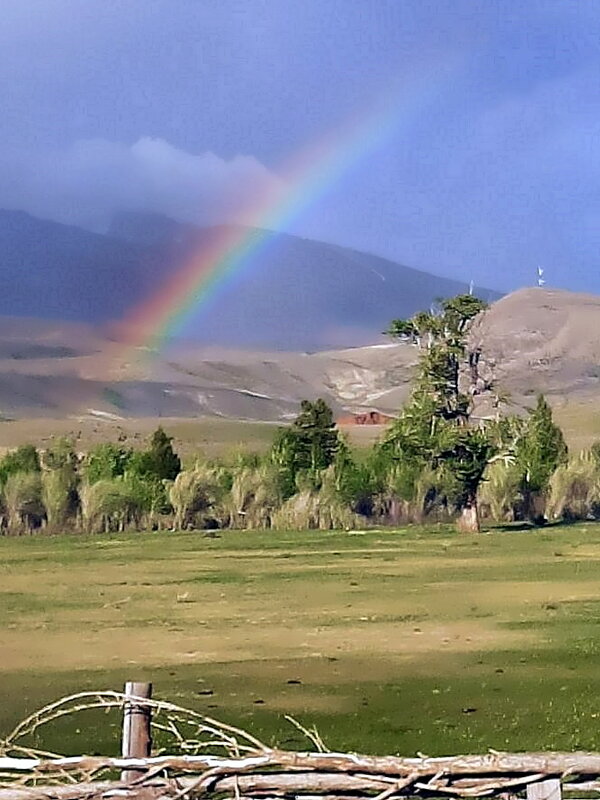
[(120, 103)]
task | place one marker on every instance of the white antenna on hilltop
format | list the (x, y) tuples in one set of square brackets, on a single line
[(471, 287), (540, 280)]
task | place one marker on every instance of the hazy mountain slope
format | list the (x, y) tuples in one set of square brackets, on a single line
[(68, 369), (292, 294), (48, 270)]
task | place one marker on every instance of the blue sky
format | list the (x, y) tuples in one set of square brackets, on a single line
[(190, 107)]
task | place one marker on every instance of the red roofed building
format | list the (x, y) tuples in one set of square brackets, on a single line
[(372, 417)]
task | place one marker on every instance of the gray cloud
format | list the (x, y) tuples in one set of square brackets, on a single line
[(87, 182)]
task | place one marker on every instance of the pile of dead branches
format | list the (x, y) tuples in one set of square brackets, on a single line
[(209, 757)]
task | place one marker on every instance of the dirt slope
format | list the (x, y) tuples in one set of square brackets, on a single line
[(537, 340), (543, 340)]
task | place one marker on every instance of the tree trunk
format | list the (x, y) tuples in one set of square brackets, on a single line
[(394, 512), (534, 506), (468, 522)]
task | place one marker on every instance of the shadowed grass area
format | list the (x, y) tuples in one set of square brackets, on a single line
[(389, 641)]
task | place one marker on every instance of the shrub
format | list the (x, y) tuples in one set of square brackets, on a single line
[(23, 459), (538, 452), (59, 496), (310, 443), (106, 461), (431, 492), (196, 492), (499, 494), (254, 496), (310, 510), (320, 508), (23, 499), (112, 504), (575, 489), (59, 455), (59, 482), (159, 460)]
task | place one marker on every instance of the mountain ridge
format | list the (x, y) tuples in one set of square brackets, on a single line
[(298, 295)]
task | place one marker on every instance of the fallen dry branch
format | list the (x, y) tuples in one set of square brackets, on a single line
[(495, 764), (218, 760), (278, 773)]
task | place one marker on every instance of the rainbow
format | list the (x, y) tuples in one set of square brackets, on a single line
[(305, 178)]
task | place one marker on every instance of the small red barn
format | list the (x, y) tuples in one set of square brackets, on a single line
[(372, 417)]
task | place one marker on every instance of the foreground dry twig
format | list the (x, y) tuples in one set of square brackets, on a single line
[(216, 759)]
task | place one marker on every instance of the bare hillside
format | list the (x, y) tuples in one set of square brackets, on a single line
[(533, 340), (543, 340)]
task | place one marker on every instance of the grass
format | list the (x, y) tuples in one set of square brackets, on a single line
[(580, 421), (209, 437), (203, 436), (388, 641)]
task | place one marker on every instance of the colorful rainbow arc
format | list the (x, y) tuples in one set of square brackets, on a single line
[(306, 178)]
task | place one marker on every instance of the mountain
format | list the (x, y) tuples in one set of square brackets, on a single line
[(54, 271), (294, 294), (61, 285)]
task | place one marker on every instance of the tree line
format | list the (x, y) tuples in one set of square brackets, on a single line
[(436, 461)]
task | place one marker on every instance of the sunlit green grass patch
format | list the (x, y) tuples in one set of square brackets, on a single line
[(389, 641)]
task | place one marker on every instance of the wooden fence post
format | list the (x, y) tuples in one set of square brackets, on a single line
[(137, 741), (545, 790)]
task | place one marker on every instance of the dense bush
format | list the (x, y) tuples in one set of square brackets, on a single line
[(23, 500), (539, 450), (24, 459), (112, 504), (574, 489), (309, 479), (500, 492), (197, 496)]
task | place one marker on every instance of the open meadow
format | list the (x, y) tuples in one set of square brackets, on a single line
[(391, 641), (200, 437)]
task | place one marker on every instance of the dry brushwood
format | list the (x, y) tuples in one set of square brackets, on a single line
[(209, 757)]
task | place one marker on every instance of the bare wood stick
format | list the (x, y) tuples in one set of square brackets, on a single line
[(277, 784), (270, 786), (250, 786), (581, 786), (480, 788), (497, 764), (69, 792), (137, 741)]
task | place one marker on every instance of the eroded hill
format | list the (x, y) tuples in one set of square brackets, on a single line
[(536, 340)]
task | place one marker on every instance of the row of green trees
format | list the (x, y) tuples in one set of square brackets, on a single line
[(435, 461), (515, 469)]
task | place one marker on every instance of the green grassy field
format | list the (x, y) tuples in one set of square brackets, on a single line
[(387, 641)]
